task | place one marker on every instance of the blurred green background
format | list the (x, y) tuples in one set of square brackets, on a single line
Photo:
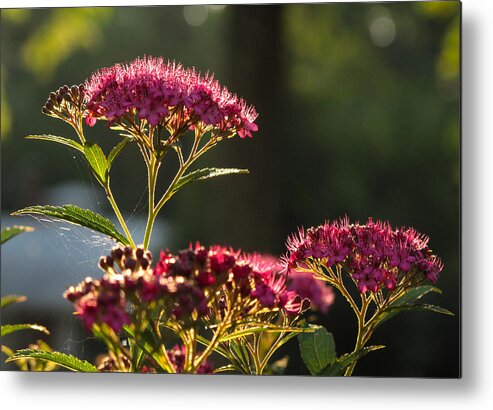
[(359, 114)]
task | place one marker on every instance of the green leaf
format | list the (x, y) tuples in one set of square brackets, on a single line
[(414, 294), (60, 140), (97, 160), (11, 299), (262, 329), (11, 231), (205, 342), (146, 342), (65, 360), (7, 329), (318, 349), (7, 351), (77, 216), (225, 368), (206, 173), (339, 366), (117, 151), (423, 307), (410, 297)]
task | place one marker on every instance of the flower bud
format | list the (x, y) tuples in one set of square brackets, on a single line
[(139, 253), (102, 263), (130, 264)]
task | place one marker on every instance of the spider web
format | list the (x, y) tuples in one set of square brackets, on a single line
[(65, 254)]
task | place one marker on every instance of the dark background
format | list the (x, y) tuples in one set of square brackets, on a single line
[(359, 115)]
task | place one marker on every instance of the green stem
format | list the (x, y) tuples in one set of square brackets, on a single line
[(208, 350), (166, 362), (363, 336), (272, 350), (118, 214), (152, 173)]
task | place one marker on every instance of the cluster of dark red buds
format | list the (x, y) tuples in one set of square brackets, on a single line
[(66, 103)]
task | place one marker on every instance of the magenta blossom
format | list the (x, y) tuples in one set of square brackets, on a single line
[(375, 255), (103, 303), (320, 295), (166, 94)]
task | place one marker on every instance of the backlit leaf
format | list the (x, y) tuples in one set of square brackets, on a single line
[(59, 140), (77, 216), (318, 349), (65, 360)]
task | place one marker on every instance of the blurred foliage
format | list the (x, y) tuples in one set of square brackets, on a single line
[(359, 115), (60, 36), (5, 114)]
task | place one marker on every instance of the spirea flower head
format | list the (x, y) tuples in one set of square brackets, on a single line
[(166, 94), (250, 277), (190, 286), (375, 255)]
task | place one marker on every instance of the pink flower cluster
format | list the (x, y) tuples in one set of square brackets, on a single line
[(166, 94), (320, 295), (255, 276), (188, 284), (375, 255), (177, 357), (99, 301)]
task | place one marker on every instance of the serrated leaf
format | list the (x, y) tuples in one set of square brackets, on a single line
[(8, 329), (97, 160), (117, 151), (77, 216), (11, 231), (11, 299), (410, 297), (65, 360), (339, 366), (207, 173), (60, 140), (318, 349)]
